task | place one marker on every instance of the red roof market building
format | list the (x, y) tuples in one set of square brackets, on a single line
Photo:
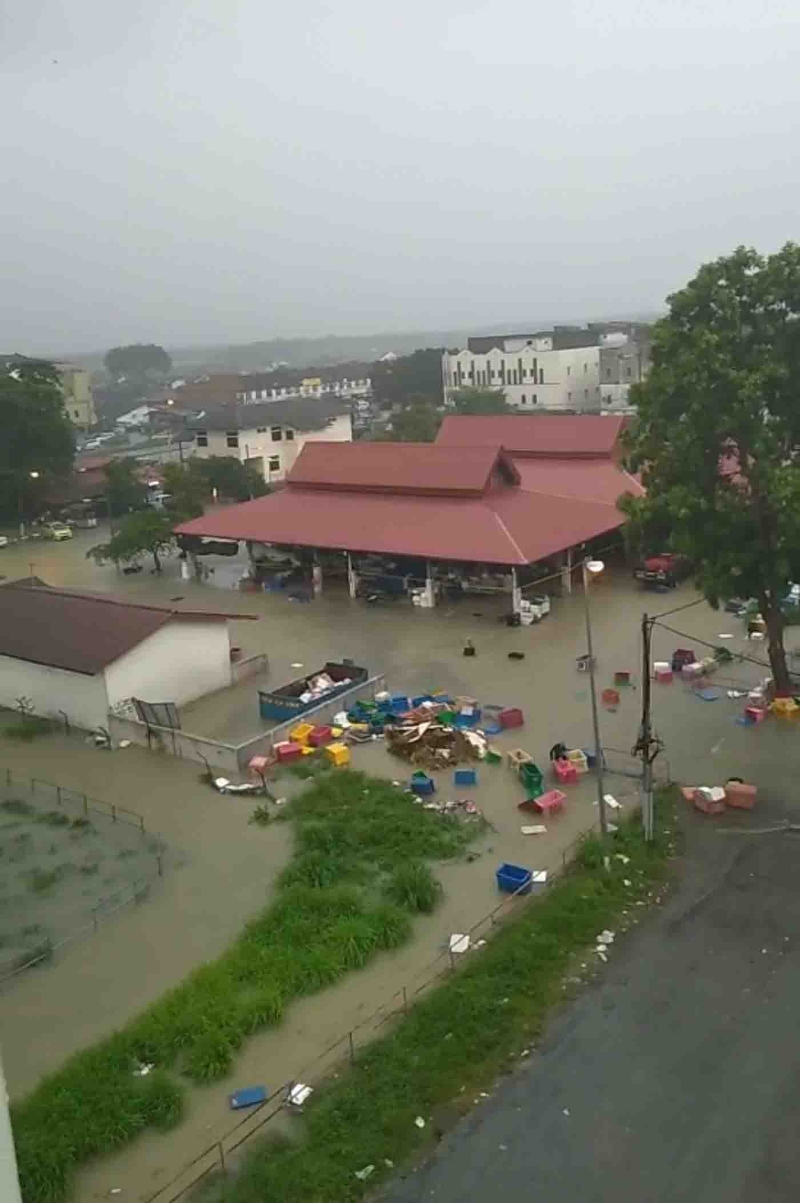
[(506, 492)]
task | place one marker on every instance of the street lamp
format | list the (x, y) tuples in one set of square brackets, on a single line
[(33, 476), (593, 568)]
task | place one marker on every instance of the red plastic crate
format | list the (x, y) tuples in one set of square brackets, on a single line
[(742, 796), (287, 751), (565, 772), (320, 736), (510, 718)]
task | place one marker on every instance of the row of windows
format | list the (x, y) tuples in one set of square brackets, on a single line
[(232, 436)]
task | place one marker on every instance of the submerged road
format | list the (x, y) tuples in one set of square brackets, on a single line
[(675, 1078)]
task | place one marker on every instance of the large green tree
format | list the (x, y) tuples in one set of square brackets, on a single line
[(233, 480), (36, 439), (417, 421), (126, 490), (480, 401), (143, 532), (416, 375), (718, 432), (138, 360)]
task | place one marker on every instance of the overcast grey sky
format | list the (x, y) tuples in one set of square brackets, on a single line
[(189, 171)]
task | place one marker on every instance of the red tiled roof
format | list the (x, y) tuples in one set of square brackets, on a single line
[(80, 632), (534, 434), (502, 526), (416, 468), (587, 480)]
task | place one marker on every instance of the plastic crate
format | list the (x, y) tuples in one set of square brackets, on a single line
[(512, 717), (465, 777), (513, 879)]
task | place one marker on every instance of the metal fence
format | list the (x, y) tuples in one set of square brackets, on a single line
[(46, 796), (214, 1158)]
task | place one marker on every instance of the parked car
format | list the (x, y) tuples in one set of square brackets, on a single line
[(57, 531), (4, 540), (666, 568)]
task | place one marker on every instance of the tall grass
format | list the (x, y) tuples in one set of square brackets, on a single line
[(452, 1042), (338, 905)]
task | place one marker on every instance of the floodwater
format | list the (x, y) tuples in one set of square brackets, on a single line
[(230, 868)]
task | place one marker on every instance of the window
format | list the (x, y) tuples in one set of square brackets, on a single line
[(288, 435), (608, 373), (77, 413), (541, 375), (569, 396), (201, 437), (276, 433), (569, 370), (534, 399), (628, 373), (523, 399), (274, 463), (261, 430), (586, 393), (232, 438), (586, 367)]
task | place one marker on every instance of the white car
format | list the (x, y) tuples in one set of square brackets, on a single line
[(4, 540), (541, 605)]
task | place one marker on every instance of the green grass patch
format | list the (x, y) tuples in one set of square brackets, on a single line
[(453, 1042), (339, 904), (15, 806)]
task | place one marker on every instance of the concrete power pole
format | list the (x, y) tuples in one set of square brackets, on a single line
[(9, 1181)]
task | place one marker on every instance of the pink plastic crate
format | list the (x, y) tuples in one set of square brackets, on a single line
[(565, 773)]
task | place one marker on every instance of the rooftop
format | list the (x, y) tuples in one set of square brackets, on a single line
[(301, 413), (417, 468), (568, 435), (80, 632)]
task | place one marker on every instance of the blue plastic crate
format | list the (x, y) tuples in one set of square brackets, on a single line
[(422, 784), (465, 777), (400, 703), (249, 1096), (514, 879)]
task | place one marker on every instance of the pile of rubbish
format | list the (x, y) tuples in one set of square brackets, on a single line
[(317, 686), (431, 737)]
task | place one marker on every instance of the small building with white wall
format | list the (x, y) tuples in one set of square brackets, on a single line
[(78, 655), (269, 435)]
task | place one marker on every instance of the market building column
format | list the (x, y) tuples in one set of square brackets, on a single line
[(566, 571), (430, 593), (316, 579), (352, 576), (516, 593)]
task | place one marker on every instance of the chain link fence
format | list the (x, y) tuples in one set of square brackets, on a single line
[(70, 861)]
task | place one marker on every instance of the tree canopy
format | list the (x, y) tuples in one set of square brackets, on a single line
[(147, 531), (233, 480), (415, 375), (480, 401), (35, 433), (417, 421), (718, 432), (138, 360), (126, 491)]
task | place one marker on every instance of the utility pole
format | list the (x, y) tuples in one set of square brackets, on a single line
[(647, 746), (9, 1179)]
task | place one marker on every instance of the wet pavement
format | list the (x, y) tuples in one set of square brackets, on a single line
[(676, 1077)]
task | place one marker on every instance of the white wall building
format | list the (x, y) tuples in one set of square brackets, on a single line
[(80, 654), (535, 373), (271, 435)]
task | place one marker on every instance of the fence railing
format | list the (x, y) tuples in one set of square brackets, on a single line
[(214, 1158), (47, 796), (231, 758)]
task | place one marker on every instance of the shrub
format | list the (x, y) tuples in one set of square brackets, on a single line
[(414, 887)]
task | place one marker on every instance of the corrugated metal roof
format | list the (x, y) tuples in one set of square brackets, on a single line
[(80, 632), (513, 525), (586, 480), (534, 434), (416, 468)]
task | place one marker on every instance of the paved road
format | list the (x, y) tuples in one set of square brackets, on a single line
[(677, 1078)]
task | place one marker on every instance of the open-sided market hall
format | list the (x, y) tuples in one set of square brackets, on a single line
[(498, 505)]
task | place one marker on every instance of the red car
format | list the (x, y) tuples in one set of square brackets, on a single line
[(666, 568)]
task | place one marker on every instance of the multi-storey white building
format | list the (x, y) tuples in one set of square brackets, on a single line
[(270, 435), (534, 372)]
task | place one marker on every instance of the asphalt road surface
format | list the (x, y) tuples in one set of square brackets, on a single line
[(677, 1076)]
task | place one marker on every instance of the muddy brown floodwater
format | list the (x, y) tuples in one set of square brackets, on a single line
[(229, 868)]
